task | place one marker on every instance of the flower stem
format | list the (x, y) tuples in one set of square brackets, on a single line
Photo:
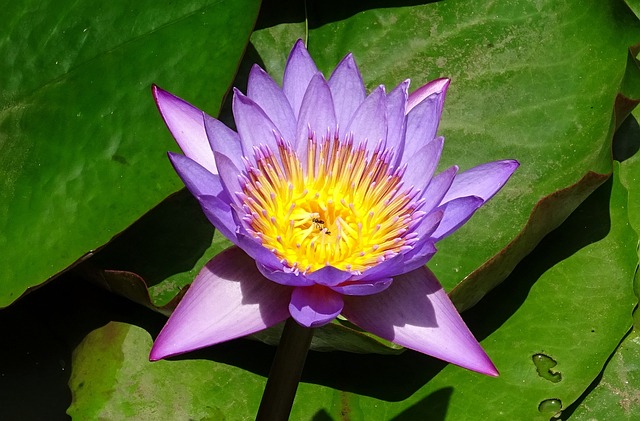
[(285, 373)]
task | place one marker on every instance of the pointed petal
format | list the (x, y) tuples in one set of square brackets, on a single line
[(254, 126), (385, 269), (437, 86), (267, 94), (317, 112), (456, 213), (396, 118), (298, 72), (363, 288), (199, 180), (268, 263), (228, 299), (422, 164), (428, 224), (416, 313), (419, 255), (314, 306), (329, 276), (185, 124), (424, 109), (370, 120), (284, 277), (437, 188), (223, 140), (229, 176), (482, 181), (422, 124), (347, 89), (207, 188)]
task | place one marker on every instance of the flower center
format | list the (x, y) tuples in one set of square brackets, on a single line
[(348, 209)]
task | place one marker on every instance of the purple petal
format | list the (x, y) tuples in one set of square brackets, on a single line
[(347, 89), (284, 277), (185, 124), (424, 109), (228, 299), (263, 257), (419, 255), (385, 269), (315, 306), (429, 224), (206, 187), (482, 181), (437, 188), (422, 124), (199, 180), (223, 140), (422, 164), (456, 213), (363, 288), (370, 119), (219, 214), (254, 126), (229, 176), (298, 72), (396, 119), (416, 313), (268, 95), (437, 86), (329, 276), (317, 112)]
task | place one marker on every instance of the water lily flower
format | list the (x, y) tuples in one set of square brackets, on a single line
[(330, 198)]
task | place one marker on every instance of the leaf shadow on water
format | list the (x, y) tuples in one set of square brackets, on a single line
[(275, 12), (589, 223), (168, 239), (626, 143), (43, 328)]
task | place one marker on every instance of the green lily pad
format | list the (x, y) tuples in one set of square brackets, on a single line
[(84, 149), (616, 394), (145, 392)]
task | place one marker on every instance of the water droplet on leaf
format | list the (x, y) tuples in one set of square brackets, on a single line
[(550, 406), (544, 364)]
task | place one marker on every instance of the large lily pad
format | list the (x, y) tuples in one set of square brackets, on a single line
[(616, 395), (83, 149)]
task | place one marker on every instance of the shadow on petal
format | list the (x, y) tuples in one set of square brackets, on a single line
[(228, 299), (389, 309), (416, 312)]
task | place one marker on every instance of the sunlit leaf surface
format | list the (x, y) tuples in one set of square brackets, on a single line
[(83, 147)]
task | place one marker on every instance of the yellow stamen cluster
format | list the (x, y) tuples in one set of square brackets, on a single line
[(347, 209)]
